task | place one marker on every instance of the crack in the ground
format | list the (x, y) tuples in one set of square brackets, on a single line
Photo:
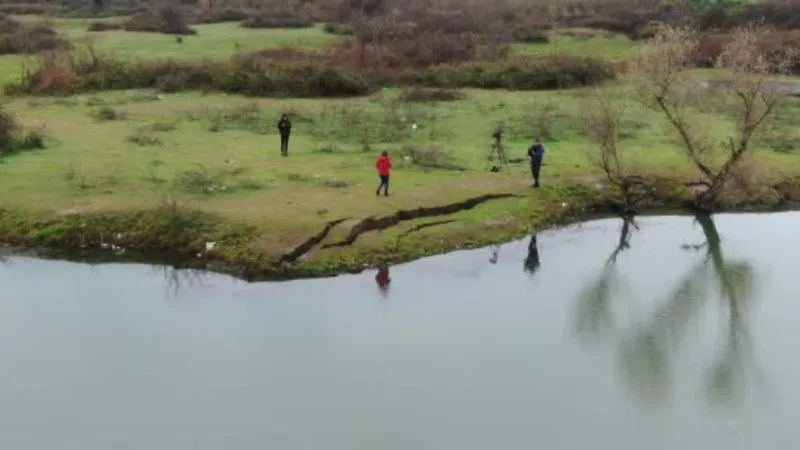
[(306, 246), (420, 227), (382, 223)]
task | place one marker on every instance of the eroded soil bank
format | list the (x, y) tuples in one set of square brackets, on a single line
[(195, 239)]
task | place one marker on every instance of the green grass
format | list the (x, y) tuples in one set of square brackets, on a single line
[(226, 141), (217, 41), (583, 42)]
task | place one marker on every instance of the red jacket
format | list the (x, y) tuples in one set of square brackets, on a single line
[(384, 165)]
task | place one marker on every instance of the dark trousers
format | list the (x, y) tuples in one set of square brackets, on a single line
[(284, 145), (536, 166), (384, 184)]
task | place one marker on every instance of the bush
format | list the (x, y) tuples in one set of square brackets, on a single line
[(339, 29), (530, 35), (143, 140), (31, 140), (627, 22), (430, 158), (105, 25), (13, 138), (218, 15), (169, 19), (776, 45), (781, 16), (65, 74), (22, 9), (291, 73), (8, 131), (429, 95), (17, 38), (107, 113), (278, 19), (535, 73)]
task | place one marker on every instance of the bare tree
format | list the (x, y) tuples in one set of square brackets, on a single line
[(602, 116), (750, 100)]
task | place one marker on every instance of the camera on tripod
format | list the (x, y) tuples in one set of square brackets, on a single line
[(497, 151), (497, 134)]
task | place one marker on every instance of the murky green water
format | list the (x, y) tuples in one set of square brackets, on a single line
[(675, 343)]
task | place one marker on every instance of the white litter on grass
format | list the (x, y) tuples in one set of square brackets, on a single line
[(210, 246), (563, 205), (413, 126)]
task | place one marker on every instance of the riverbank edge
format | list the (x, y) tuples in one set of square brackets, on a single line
[(171, 235)]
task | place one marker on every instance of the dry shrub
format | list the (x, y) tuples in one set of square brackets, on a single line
[(221, 14), (168, 19), (338, 72), (143, 140), (9, 128), (107, 113), (16, 37), (530, 35), (584, 33), (425, 37), (14, 138), (781, 15), (285, 17), (61, 73), (22, 9), (431, 158), (628, 17), (105, 25), (429, 95), (772, 45), (340, 29)]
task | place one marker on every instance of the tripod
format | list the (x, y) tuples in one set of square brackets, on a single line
[(497, 148)]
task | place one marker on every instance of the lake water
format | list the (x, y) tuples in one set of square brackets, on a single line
[(670, 345)]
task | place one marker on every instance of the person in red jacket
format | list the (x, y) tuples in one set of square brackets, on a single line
[(383, 279), (384, 166)]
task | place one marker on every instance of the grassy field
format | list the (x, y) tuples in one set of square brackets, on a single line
[(217, 41), (126, 151), (223, 40)]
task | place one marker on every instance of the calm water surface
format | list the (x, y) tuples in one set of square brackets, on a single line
[(677, 341)]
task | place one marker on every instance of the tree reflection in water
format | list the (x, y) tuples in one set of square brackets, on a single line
[(646, 353), (594, 319), (176, 278)]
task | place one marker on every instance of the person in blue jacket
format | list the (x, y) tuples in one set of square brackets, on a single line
[(536, 154)]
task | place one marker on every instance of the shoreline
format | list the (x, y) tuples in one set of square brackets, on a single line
[(198, 240)]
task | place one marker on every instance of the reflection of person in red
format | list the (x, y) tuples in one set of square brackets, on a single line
[(383, 279)]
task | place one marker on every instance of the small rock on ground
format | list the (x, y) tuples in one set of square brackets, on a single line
[(337, 184)]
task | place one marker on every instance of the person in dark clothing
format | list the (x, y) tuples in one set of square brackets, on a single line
[(384, 166), (285, 129), (532, 263), (536, 154)]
